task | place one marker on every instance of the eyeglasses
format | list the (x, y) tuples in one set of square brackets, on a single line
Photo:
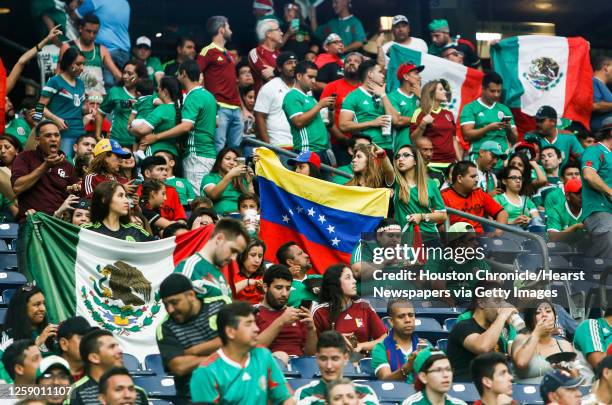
[(515, 178), (440, 370), (403, 155)]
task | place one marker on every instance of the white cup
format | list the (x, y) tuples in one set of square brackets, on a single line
[(386, 130)]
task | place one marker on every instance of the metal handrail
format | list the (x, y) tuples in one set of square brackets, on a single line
[(13, 44)]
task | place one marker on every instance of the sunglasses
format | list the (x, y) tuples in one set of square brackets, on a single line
[(27, 287), (515, 178), (403, 155)]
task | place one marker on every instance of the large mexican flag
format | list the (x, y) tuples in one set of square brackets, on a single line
[(112, 283), (545, 70)]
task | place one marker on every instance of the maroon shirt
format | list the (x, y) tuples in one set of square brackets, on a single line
[(359, 319), (219, 70), (259, 59), (49, 192), (291, 339)]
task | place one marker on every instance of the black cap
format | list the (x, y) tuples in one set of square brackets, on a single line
[(175, 283), (546, 111), (82, 204), (285, 57), (605, 363), (77, 325)]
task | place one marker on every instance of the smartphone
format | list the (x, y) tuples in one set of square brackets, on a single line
[(506, 119), (295, 24), (241, 160)]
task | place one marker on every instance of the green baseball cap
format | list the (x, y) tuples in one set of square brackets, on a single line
[(494, 148), (422, 357), (439, 25)]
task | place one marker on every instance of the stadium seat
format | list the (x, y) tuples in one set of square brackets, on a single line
[(11, 279), (557, 248), (438, 312), (442, 344), (526, 394), (387, 321), (2, 315), (308, 368), (8, 261), (390, 392), (157, 387), (449, 323), (9, 231), (589, 264), (159, 402), (464, 391), (427, 324), (296, 383), (430, 329), (286, 372), (153, 362), (4, 247), (131, 363), (502, 249), (7, 295), (378, 304), (365, 365)]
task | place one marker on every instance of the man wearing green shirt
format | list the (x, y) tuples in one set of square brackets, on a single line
[(488, 156), (239, 372), (486, 119), (346, 25), (303, 113), (332, 356), (155, 69), (592, 338), (15, 125), (367, 109), (565, 216), (228, 240), (405, 100), (293, 256)]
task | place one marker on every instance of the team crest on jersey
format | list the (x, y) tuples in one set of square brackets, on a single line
[(263, 384), (121, 300), (544, 73), (359, 322), (77, 100), (61, 173), (20, 131), (150, 70), (500, 114)]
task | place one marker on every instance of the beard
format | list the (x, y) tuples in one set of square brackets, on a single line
[(273, 302)]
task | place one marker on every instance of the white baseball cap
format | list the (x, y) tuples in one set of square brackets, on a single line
[(143, 41)]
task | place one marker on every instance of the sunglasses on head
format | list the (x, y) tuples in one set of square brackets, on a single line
[(27, 287)]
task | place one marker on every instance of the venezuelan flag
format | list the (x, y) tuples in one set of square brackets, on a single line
[(325, 219)]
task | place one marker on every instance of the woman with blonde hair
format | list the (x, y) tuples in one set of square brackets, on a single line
[(371, 167), (437, 123)]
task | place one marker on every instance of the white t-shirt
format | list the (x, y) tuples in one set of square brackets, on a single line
[(416, 44), (270, 101)]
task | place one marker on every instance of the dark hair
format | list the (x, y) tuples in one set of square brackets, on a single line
[(277, 271), (529, 313), (14, 323), (81, 164), (483, 285), (331, 338), (331, 292), (150, 186), (141, 69), (248, 196), (83, 136), (284, 253), (557, 151), (89, 344), (183, 40), (108, 374), (13, 141), (171, 229), (303, 66), (14, 354), (314, 171), (461, 168), (70, 55), (599, 61), (431, 360), (527, 188), (240, 65), (254, 242), (364, 68), (491, 77), (245, 90), (100, 202), (43, 123), (145, 87), (89, 19), (231, 228), (198, 212), (397, 301), (229, 314), (448, 169), (214, 24), (505, 173), (173, 87), (200, 200), (484, 366), (151, 161), (191, 69), (236, 181), (570, 165)]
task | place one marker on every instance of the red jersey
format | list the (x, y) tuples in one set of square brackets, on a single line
[(106, 128), (476, 203), (291, 339), (359, 319), (250, 293), (172, 210), (259, 59), (90, 181), (341, 88), (219, 70), (441, 132)]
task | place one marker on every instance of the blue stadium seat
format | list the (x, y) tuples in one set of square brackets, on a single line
[(2, 315), (526, 394), (557, 248), (7, 295), (388, 391), (430, 329), (4, 247), (9, 231), (296, 383), (442, 344), (154, 363), (157, 387), (8, 261), (387, 321), (286, 372), (131, 363), (365, 365), (11, 279), (590, 264), (378, 304), (464, 391), (308, 368), (502, 249), (159, 402), (436, 310), (449, 323), (427, 324)]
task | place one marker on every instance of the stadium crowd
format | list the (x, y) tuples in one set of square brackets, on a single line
[(123, 145)]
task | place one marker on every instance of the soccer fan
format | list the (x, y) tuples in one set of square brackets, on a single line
[(558, 387), (186, 337), (244, 75), (329, 64), (142, 53), (247, 282), (285, 330), (21, 360), (486, 119), (264, 9), (262, 59), (441, 40), (602, 96), (185, 50), (155, 168), (84, 146), (342, 392), (307, 163), (14, 124), (332, 356), (69, 335), (249, 209), (492, 379), (299, 37), (393, 358), (201, 217), (181, 185), (551, 158), (100, 352), (271, 122), (105, 166), (228, 240), (489, 154), (298, 262), (464, 195), (425, 147), (54, 371), (239, 369), (352, 144), (345, 24), (451, 52), (368, 160), (592, 338), (565, 216), (405, 100), (153, 196), (400, 27), (602, 385), (117, 387), (520, 208), (533, 174)]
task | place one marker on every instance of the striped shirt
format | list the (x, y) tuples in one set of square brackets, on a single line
[(420, 398)]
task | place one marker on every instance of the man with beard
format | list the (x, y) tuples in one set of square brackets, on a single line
[(185, 50), (219, 70), (441, 41), (14, 124), (286, 331), (185, 338), (298, 262), (400, 27), (227, 241)]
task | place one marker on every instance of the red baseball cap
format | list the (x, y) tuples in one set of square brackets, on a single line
[(406, 68), (306, 157), (573, 186)]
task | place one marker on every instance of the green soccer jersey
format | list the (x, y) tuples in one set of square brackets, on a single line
[(363, 106), (525, 207), (183, 189), (19, 128), (349, 29), (162, 119), (420, 398), (348, 169), (66, 102), (599, 158), (402, 209), (228, 202), (380, 359), (144, 106), (222, 380), (568, 144), (200, 108), (314, 393), (154, 65), (593, 335), (313, 136), (560, 217), (481, 115), (119, 103), (208, 281), (406, 106), (300, 293)]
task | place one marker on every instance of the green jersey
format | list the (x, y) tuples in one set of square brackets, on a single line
[(208, 281), (349, 29), (481, 115), (228, 202), (183, 189), (406, 106), (66, 101), (119, 102), (313, 136), (420, 398), (568, 144), (599, 158), (220, 379), (154, 66), (341, 179), (5, 214), (380, 359), (300, 293), (161, 119), (315, 392), (413, 206), (524, 207), (200, 108), (593, 335), (144, 106), (19, 128), (364, 109), (560, 217)]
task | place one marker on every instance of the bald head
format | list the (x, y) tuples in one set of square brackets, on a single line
[(425, 146)]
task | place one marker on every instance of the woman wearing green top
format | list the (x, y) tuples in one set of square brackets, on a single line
[(417, 198), (521, 210), (163, 117), (226, 181)]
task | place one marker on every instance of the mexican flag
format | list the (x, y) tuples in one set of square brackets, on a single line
[(545, 70), (112, 283)]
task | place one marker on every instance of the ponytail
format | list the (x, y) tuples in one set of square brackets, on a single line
[(172, 85)]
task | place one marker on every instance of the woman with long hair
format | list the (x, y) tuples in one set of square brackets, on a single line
[(227, 180), (62, 97), (416, 198), (435, 122), (105, 166), (307, 163), (127, 166), (371, 167), (110, 214), (520, 208), (248, 282), (10, 147), (533, 175), (339, 308), (152, 199)]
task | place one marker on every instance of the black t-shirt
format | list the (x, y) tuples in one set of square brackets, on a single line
[(299, 43), (460, 358), (152, 215), (129, 232)]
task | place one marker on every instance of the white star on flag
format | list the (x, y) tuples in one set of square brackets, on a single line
[(291, 211), (311, 212), (285, 218), (300, 209), (331, 229), (321, 218), (335, 241)]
